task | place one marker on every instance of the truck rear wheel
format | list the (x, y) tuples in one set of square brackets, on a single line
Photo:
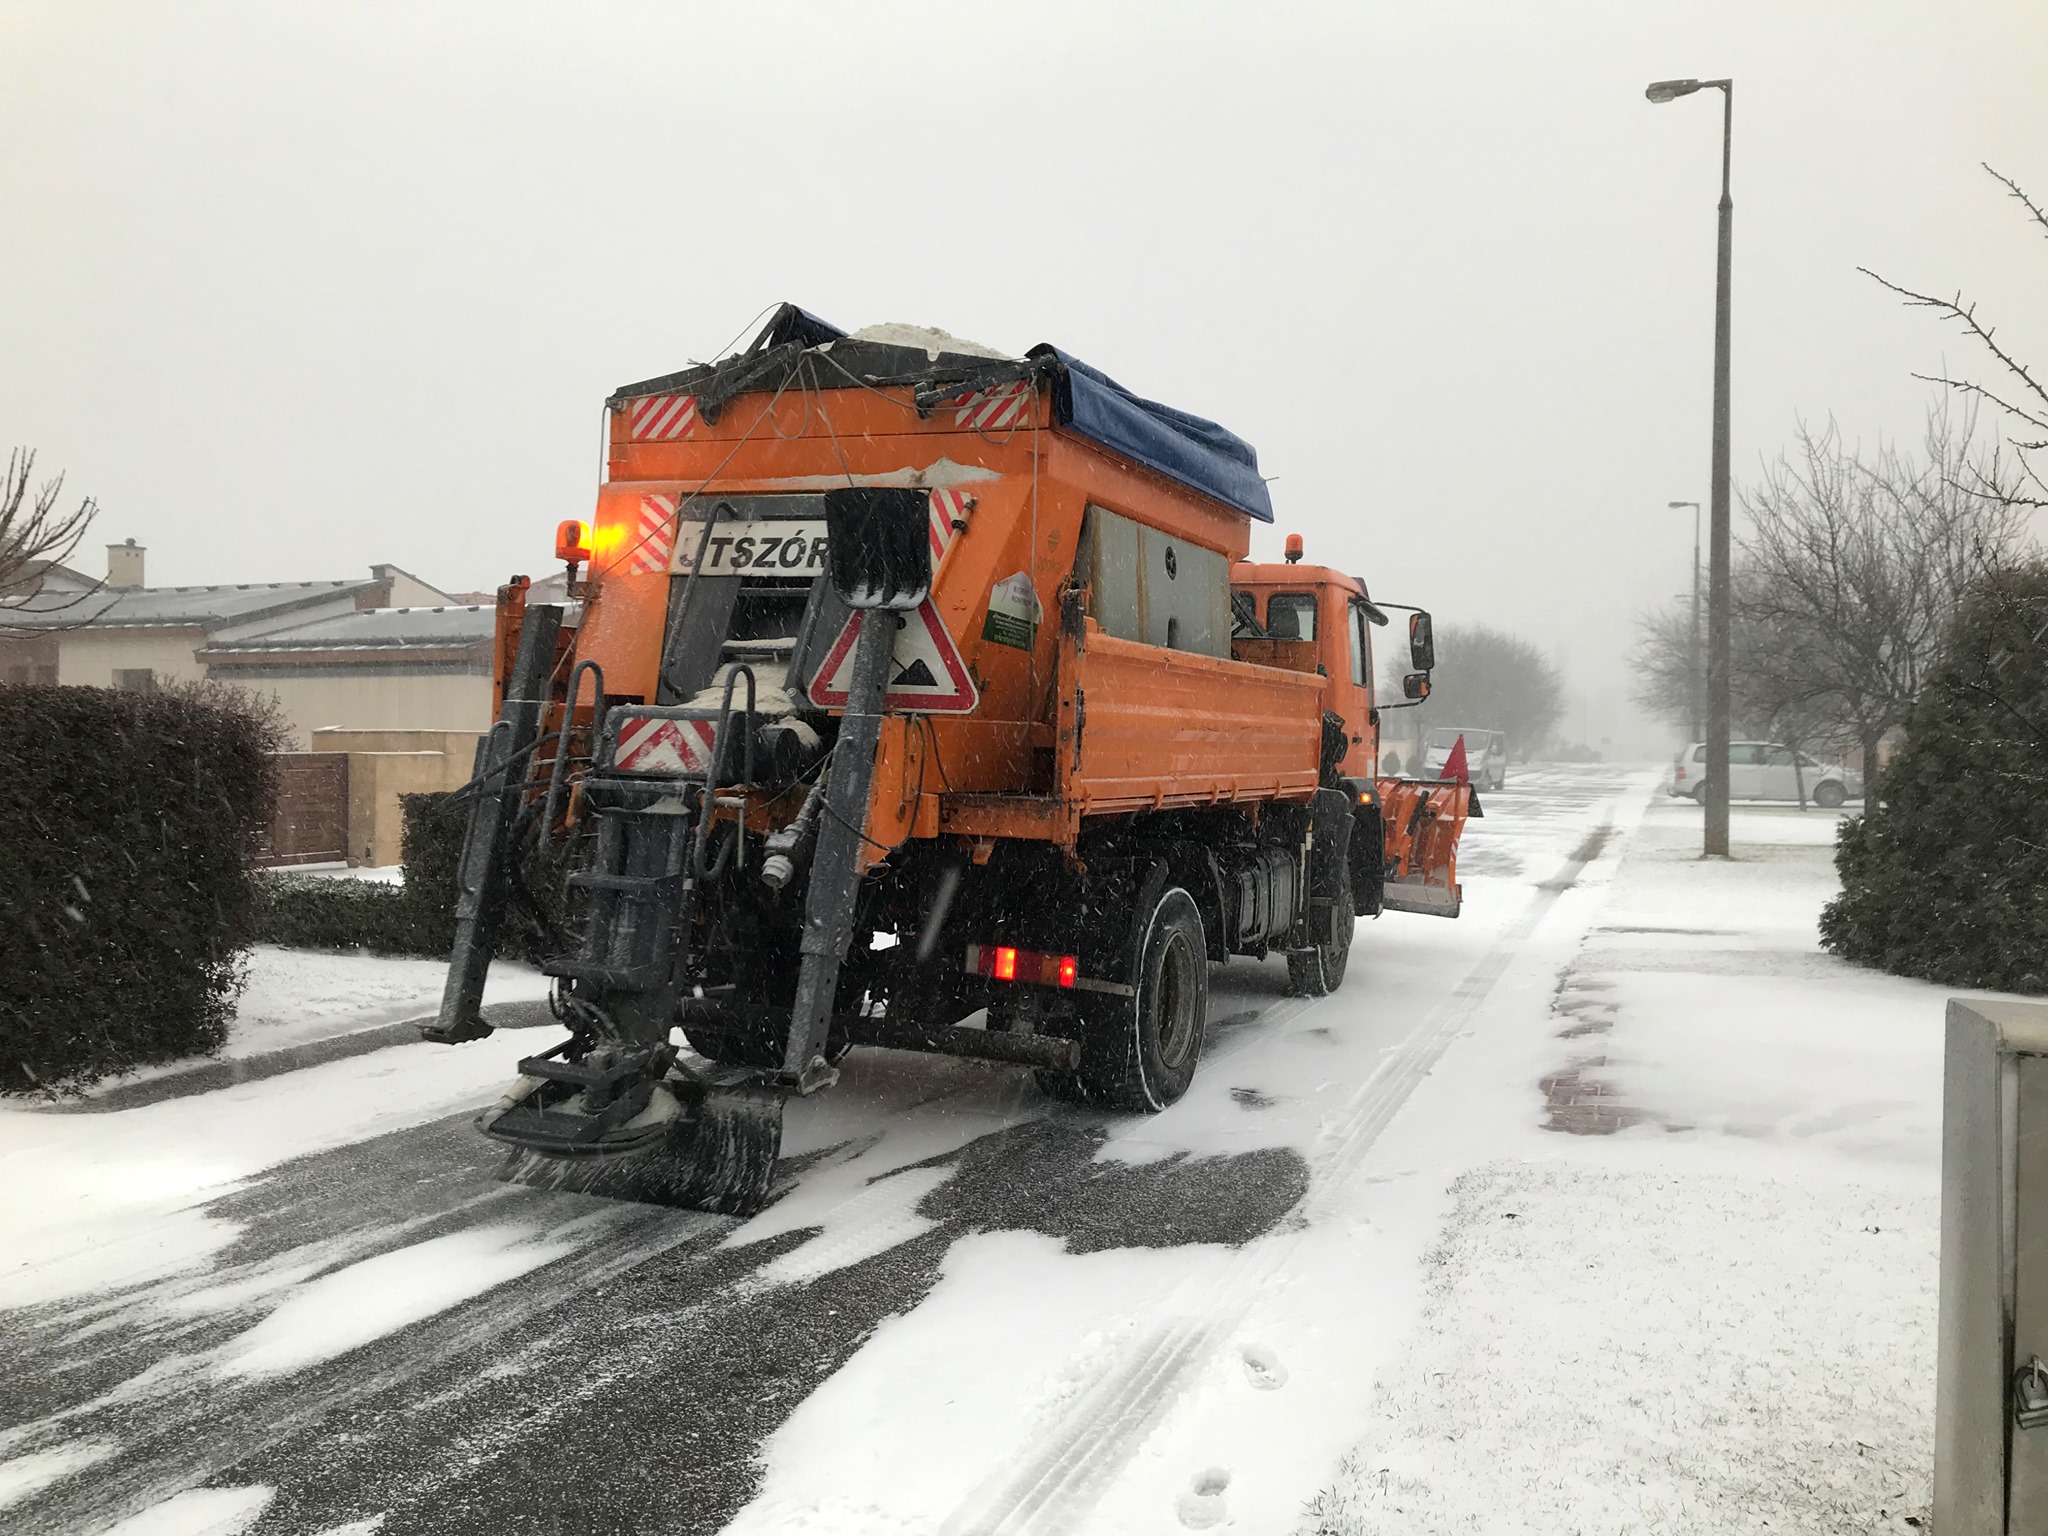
[(1139, 1052)]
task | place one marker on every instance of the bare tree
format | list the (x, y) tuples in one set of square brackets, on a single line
[(1497, 682), (1855, 563), (1845, 581), (2020, 397), (35, 533)]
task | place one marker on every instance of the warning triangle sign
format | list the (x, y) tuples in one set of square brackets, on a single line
[(927, 675)]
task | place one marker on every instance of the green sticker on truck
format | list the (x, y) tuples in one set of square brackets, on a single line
[(1013, 613)]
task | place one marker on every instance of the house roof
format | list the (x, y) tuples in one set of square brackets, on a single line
[(386, 630), (171, 607)]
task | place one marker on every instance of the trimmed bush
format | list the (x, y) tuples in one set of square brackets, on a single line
[(415, 918), (311, 912), (1946, 877), (133, 823)]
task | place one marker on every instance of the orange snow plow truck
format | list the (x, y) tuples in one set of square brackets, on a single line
[(912, 695)]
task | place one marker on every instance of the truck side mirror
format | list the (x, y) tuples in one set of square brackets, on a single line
[(878, 551), (1415, 686), (1421, 644)]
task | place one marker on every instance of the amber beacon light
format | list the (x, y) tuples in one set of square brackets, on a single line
[(1294, 549), (572, 541)]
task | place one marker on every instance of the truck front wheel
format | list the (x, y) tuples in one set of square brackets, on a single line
[(1139, 1052), (1320, 971)]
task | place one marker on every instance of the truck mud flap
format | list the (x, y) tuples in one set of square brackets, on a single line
[(1423, 819)]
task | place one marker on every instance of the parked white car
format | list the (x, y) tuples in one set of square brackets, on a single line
[(1486, 754), (1765, 770)]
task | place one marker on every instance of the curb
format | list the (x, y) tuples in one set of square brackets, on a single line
[(215, 1075)]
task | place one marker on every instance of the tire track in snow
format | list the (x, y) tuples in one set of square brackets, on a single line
[(1052, 1485)]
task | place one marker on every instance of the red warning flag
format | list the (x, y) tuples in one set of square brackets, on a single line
[(1455, 766)]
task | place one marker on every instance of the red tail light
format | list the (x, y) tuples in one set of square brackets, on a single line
[(1003, 962)]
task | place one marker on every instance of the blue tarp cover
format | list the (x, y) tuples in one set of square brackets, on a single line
[(1195, 451)]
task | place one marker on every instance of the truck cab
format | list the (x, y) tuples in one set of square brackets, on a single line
[(1324, 607)]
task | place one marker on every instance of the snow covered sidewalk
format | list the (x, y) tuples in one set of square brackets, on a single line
[(1693, 1287)]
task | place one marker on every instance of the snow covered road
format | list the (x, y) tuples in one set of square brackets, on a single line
[(302, 1305)]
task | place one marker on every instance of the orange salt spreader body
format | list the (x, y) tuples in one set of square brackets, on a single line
[(903, 682)]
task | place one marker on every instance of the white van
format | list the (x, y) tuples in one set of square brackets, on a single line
[(1765, 770), (1486, 754)]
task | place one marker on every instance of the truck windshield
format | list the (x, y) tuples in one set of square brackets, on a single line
[(1447, 736)]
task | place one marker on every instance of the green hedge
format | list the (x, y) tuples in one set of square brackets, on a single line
[(415, 918), (1947, 876), (133, 824)]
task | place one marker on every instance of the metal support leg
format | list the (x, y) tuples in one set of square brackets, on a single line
[(480, 878), (835, 871)]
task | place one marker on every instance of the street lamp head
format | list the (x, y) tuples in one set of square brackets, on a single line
[(1675, 505), (1671, 90)]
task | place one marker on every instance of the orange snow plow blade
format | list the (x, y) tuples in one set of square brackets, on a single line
[(1424, 820)]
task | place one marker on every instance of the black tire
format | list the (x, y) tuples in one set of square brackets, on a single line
[(750, 1048), (1699, 793), (735, 1050), (1139, 1052), (1829, 796), (1320, 971)]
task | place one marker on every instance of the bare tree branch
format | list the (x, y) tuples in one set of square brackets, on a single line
[(2013, 187), (1967, 318), (35, 535)]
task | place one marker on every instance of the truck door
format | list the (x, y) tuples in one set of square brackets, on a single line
[(1362, 750)]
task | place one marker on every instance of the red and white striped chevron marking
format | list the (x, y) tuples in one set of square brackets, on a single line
[(995, 410), (663, 418), (654, 540), (660, 745), (947, 507)]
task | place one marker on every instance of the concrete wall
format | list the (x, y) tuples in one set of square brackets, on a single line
[(382, 765), (375, 781), (366, 699), (90, 657)]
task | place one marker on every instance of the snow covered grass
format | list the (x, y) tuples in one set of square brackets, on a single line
[(1649, 1351), (298, 995)]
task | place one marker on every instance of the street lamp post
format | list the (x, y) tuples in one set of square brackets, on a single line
[(1715, 841), (1692, 655)]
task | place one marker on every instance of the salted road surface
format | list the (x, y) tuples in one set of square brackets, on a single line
[(303, 1305)]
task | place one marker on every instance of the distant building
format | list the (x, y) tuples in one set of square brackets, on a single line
[(377, 669), (371, 672)]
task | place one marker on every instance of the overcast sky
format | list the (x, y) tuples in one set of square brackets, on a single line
[(291, 289)]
